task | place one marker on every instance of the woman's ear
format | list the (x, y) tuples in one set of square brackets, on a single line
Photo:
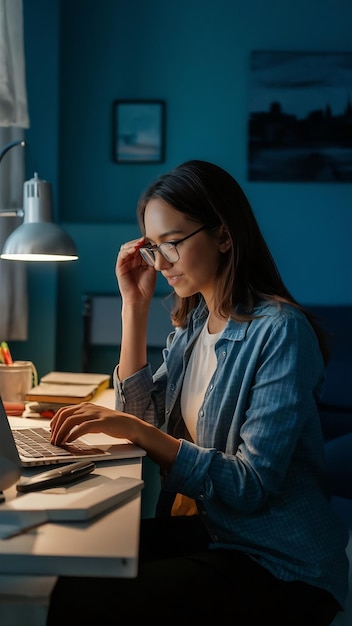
[(224, 239)]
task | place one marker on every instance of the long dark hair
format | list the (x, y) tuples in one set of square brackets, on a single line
[(247, 273)]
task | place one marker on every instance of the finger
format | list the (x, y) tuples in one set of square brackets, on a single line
[(131, 246), (57, 418), (68, 417), (62, 413), (129, 260), (67, 435)]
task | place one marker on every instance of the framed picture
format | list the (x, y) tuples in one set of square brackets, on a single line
[(138, 131), (299, 119)]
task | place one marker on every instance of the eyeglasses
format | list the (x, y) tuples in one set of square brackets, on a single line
[(168, 249)]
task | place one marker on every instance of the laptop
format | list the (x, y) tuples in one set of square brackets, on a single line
[(24, 446)]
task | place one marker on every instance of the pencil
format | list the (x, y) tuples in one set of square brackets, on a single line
[(6, 354)]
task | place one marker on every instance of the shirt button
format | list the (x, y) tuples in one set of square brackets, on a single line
[(201, 413), (211, 387), (223, 353)]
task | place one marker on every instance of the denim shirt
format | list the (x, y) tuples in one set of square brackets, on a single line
[(256, 469)]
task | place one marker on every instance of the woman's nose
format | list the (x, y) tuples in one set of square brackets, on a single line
[(160, 262)]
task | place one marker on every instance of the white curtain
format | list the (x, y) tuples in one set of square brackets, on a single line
[(13, 93), (13, 119)]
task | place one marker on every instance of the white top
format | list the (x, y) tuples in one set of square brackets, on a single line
[(200, 368)]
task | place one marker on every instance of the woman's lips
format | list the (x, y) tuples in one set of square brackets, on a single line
[(172, 280)]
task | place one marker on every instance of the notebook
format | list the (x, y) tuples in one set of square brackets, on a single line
[(79, 502), (68, 387), (37, 450)]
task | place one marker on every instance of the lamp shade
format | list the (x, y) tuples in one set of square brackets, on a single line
[(38, 238)]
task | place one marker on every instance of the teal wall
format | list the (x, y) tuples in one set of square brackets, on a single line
[(82, 55)]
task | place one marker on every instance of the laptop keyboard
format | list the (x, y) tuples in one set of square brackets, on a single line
[(35, 442)]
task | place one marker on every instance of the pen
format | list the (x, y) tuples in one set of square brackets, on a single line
[(6, 354)]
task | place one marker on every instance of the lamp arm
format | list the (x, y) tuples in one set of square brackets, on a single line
[(12, 212), (11, 145)]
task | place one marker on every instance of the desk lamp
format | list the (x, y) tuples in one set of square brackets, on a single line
[(38, 238)]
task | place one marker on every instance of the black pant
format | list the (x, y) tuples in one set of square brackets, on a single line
[(180, 581)]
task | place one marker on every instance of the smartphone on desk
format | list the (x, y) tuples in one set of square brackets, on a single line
[(61, 475)]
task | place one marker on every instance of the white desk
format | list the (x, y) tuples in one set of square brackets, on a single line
[(106, 546)]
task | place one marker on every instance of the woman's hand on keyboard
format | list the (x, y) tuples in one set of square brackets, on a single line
[(71, 422)]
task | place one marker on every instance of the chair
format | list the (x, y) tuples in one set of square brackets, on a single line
[(101, 314), (336, 419), (344, 618)]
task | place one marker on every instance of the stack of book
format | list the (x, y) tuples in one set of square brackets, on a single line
[(58, 389)]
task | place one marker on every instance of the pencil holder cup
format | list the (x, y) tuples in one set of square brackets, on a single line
[(16, 380)]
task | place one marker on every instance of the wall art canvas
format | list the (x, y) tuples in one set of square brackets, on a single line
[(138, 131), (300, 117)]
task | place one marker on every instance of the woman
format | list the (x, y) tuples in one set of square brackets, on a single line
[(244, 530)]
